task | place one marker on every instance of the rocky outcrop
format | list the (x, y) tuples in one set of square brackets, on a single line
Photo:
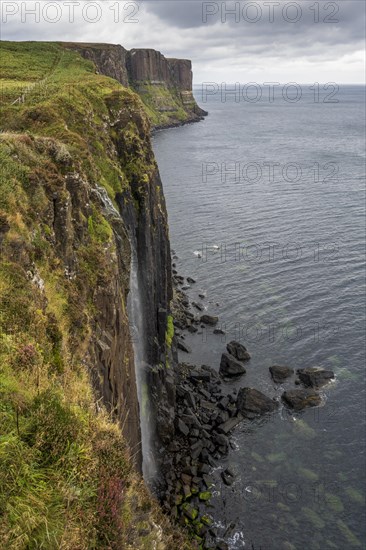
[(164, 84), (280, 374), (109, 59), (147, 65), (253, 402), (230, 367), (301, 399), (315, 377), (238, 351)]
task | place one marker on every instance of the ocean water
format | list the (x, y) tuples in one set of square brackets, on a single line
[(266, 205)]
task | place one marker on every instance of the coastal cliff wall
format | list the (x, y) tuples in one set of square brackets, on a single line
[(79, 184), (164, 84)]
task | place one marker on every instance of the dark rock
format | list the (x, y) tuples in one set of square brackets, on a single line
[(202, 296), (229, 366), (185, 288), (182, 427), (223, 403), (254, 402), (191, 420), (279, 374), (315, 377), (183, 347), (227, 479), (221, 440), (301, 399), (230, 424), (208, 405), (209, 481), (198, 306), (204, 469), (222, 417), (186, 479), (238, 351), (200, 375), (209, 319), (196, 449), (190, 280), (190, 400), (192, 329), (218, 331)]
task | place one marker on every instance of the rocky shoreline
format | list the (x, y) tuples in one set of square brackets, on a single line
[(205, 416)]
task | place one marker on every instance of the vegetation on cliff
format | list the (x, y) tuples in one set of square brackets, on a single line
[(67, 477)]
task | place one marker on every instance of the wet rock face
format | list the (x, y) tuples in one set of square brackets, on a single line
[(253, 402), (315, 377), (301, 399)]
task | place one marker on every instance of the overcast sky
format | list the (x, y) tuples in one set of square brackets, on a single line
[(278, 41)]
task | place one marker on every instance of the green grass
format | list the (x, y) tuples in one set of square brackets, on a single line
[(169, 331)]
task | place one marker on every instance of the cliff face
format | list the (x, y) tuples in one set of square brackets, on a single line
[(164, 84), (79, 190), (79, 187)]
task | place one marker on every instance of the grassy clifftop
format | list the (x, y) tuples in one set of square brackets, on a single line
[(67, 477)]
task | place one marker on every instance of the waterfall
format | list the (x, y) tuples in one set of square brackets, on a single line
[(138, 339), (138, 336)]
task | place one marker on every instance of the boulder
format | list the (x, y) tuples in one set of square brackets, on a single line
[(253, 402), (301, 399), (238, 351), (279, 374), (209, 319), (315, 377), (230, 367)]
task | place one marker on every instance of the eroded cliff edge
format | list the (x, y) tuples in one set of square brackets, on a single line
[(164, 84), (79, 184)]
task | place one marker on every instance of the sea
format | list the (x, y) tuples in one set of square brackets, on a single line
[(266, 207)]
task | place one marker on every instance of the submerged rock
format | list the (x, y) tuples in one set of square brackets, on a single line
[(231, 367), (190, 280), (183, 347), (251, 401), (279, 374), (301, 399), (209, 319), (238, 351), (315, 377)]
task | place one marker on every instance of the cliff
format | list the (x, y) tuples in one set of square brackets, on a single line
[(164, 85), (80, 191)]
